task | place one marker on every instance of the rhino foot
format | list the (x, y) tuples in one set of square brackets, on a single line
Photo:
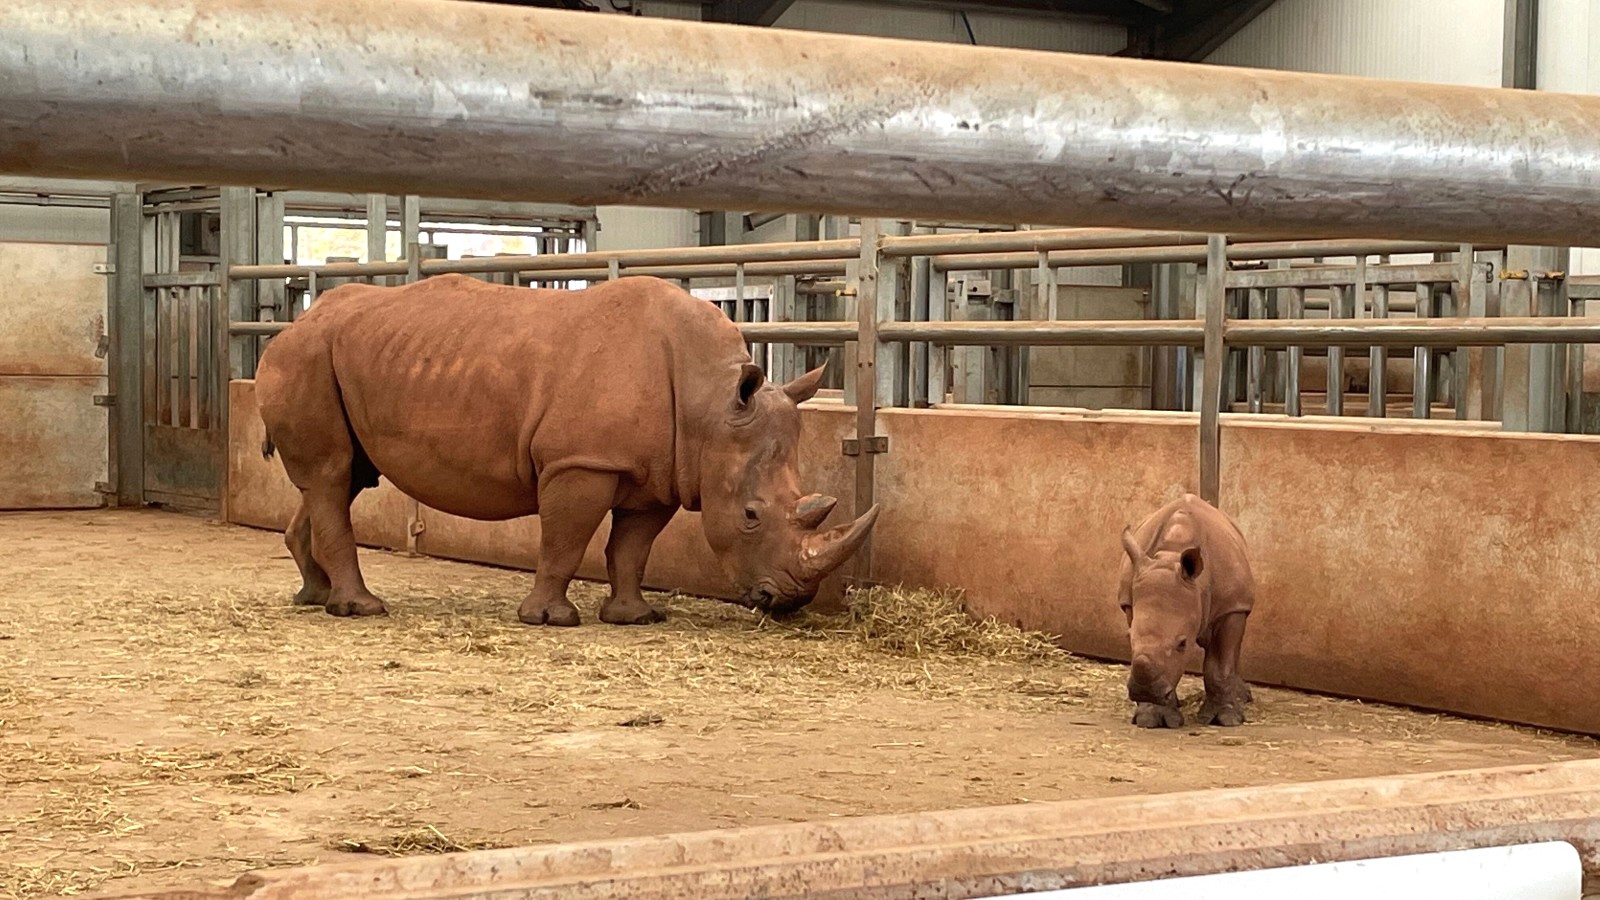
[(311, 596), (356, 605), (616, 611), (559, 613), (1149, 715), (1226, 714)]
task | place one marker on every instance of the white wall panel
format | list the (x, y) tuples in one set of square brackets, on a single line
[(1442, 41), (1569, 35), (988, 29)]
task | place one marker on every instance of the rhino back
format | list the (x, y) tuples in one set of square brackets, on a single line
[(461, 391)]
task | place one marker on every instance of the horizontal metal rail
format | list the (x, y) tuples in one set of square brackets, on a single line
[(1275, 333), (1193, 254), (1330, 276), (611, 110)]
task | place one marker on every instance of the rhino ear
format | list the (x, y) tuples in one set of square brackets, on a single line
[(751, 378), (1192, 563), (805, 387)]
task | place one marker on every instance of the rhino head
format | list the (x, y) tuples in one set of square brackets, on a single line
[(765, 532), (1164, 618)]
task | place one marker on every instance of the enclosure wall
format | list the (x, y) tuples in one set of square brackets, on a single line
[(1382, 574)]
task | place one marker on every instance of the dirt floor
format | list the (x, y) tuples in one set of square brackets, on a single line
[(167, 717)]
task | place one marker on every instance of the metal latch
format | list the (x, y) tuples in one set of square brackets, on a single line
[(105, 268), (875, 444), (102, 347), (105, 399)]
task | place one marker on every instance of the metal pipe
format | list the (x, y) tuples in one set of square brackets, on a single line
[(1039, 240), (1256, 250), (1131, 333), (496, 101), (1465, 332), (1422, 359)]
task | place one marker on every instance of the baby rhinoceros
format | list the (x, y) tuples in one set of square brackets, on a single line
[(1186, 579)]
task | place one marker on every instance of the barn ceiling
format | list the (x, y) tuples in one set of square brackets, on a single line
[(1157, 29)]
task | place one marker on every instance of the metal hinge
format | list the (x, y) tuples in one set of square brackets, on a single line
[(105, 268), (876, 444), (105, 399)]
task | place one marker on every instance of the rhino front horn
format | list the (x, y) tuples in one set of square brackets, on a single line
[(822, 553), (813, 509)]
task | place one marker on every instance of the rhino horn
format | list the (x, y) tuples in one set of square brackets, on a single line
[(1129, 546), (825, 551), (813, 509)]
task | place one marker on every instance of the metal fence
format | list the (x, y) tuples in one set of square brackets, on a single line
[(900, 339)]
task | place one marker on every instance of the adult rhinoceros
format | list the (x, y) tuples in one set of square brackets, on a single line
[(493, 402)]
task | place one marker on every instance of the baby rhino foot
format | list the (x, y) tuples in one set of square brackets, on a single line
[(1226, 714), (560, 613), (1149, 715), (356, 605)]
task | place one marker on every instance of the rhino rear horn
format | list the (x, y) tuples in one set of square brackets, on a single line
[(1131, 547), (805, 387), (823, 552), (813, 510)]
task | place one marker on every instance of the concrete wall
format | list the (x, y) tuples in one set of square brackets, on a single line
[(1383, 573)]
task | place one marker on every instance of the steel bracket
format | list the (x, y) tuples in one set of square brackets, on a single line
[(105, 268), (105, 399), (875, 444)]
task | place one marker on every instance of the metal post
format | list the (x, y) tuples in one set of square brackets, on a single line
[(784, 308), (1215, 359), (1291, 389), (1257, 356), (125, 362), (414, 521), (893, 290), (938, 354), (1337, 307), (377, 227), (1422, 359), (922, 302), (410, 221), (866, 381), (1527, 403), (1378, 378), (1574, 411), (272, 294)]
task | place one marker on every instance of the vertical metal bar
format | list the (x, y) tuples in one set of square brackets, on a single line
[(1466, 290), (891, 361), (311, 288), (784, 308), (414, 522), (1257, 355), (165, 341), (921, 306), (1561, 306), (1422, 360), (182, 341), (1575, 374), (125, 361), (1215, 357), (613, 269), (205, 318), (377, 228), (271, 294), (1297, 355), (1378, 379), (938, 354), (1047, 289), (867, 309), (1337, 307)]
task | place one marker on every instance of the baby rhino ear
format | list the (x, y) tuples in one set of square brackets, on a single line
[(1192, 564), (750, 380)]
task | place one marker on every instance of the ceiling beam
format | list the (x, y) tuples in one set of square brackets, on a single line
[(747, 12), (1193, 36)]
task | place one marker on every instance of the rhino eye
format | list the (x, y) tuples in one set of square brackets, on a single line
[(1183, 644), (751, 517)]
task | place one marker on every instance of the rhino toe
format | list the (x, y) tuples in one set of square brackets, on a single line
[(1149, 715)]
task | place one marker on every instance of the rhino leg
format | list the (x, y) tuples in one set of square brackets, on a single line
[(315, 586), (632, 534), (572, 504), (333, 546), (1226, 692)]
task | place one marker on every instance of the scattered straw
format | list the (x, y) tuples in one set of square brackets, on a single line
[(921, 623), (426, 839)]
